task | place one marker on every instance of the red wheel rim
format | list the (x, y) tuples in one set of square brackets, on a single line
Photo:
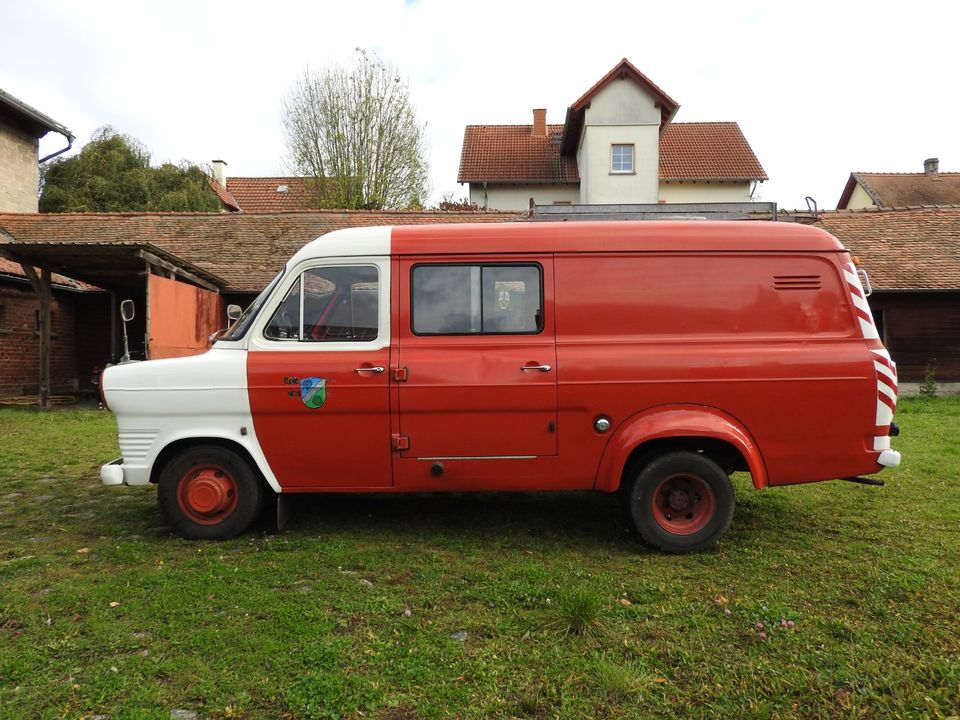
[(207, 494), (683, 504)]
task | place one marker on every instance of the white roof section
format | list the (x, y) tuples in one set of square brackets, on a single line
[(349, 242)]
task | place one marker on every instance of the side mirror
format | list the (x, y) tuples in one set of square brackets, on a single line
[(127, 310), (234, 312)]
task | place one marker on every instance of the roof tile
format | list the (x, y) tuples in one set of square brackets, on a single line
[(244, 249), (264, 194), (889, 190), (908, 249), (513, 153), (707, 151)]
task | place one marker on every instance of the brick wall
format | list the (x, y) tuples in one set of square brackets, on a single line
[(20, 342), (19, 172)]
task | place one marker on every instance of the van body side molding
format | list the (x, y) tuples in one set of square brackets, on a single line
[(676, 421)]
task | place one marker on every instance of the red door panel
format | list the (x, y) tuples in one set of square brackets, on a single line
[(473, 399), (467, 403), (323, 435)]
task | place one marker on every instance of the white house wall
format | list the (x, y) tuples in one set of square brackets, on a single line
[(603, 186), (704, 192), (859, 199), (517, 197), (621, 113)]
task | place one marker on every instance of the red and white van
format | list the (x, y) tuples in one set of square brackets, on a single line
[(647, 358)]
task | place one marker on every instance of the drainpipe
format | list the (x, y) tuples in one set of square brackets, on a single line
[(70, 140)]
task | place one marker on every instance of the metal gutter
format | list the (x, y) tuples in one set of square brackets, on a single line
[(44, 121)]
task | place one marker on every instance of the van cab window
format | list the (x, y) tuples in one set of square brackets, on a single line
[(339, 303), (476, 299)]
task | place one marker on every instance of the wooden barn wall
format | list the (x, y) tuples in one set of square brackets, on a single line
[(921, 329), (182, 318)]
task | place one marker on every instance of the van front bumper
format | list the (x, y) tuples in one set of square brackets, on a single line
[(116, 472)]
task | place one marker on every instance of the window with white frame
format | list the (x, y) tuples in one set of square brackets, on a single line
[(621, 158)]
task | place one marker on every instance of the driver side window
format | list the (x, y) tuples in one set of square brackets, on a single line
[(339, 303)]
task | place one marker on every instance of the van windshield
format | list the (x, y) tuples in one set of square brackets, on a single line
[(243, 323)]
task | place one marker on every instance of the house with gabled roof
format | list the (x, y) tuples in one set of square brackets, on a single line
[(617, 145), (893, 190)]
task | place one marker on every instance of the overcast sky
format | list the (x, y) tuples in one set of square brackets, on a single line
[(819, 89)]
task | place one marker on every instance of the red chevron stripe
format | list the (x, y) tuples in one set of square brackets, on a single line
[(889, 382), (889, 402), (854, 290), (883, 361)]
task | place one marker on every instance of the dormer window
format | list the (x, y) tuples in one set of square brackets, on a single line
[(621, 159)]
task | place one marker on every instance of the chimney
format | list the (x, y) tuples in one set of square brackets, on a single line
[(220, 172), (931, 166), (539, 122)]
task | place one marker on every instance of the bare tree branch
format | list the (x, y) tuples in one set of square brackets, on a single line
[(354, 130)]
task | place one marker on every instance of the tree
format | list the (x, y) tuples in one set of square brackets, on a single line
[(112, 173), (354, 131)]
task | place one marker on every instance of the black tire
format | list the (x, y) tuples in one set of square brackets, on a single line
[(208, 492), (681, 502)]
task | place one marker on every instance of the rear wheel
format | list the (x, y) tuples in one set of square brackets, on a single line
[(209, 492), (681, 502)]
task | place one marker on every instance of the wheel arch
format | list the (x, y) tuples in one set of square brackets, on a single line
[(709, 430), (174, 447)]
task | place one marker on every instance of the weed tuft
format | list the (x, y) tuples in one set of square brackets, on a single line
[(928, 388), (580, 610), (619, 681)]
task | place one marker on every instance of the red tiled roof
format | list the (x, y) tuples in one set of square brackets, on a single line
[(902, 249), (707, 151), (512, 153), (244, 249), (688, 151), (889, 190), (905, 249), (262, 194), (229, 202)]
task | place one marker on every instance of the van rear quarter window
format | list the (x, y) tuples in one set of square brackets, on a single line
[(476, 299), (733, 295)]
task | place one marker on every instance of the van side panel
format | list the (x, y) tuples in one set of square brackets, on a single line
[(765, 338)]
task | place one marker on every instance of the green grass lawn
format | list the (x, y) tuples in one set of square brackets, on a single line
[(477, 606)]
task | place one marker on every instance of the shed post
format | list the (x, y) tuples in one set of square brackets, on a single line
[(43, 288)]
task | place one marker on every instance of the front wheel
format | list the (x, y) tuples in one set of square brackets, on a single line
[(681, 502), (208, 492)]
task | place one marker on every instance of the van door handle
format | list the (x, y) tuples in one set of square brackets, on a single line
[(541, 368), (375, 369)]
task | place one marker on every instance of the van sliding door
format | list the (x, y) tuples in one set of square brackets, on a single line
[(478, 360)]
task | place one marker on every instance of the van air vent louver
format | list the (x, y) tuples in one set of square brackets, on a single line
[(796, 282)]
